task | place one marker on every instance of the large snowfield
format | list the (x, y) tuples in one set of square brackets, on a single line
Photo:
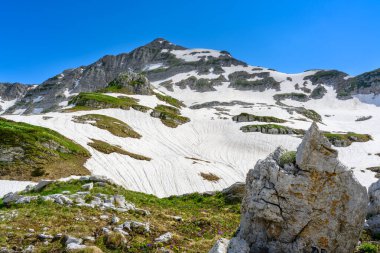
[(211, 142)]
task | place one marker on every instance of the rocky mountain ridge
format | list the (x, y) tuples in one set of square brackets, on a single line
[(167, 64)]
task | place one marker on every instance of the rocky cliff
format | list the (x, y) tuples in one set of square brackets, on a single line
[(304, 201)]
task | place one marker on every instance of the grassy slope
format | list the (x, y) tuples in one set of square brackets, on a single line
[(112, 125), (170, 116), (93, 100), (205, 219), (45, 153), (107, 148)]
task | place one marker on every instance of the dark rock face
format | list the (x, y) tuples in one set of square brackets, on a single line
[(96, 76), (235, 192), (318, 92), (365, 83), (132, 83), (11, 91), (241, 81), (304, 205)]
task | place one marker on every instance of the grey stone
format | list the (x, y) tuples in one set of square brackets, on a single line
[(136, 226), (235, 192), (164, 238), (317, 205), (42, 184), (88, 187), (220, 246), (11, 197)]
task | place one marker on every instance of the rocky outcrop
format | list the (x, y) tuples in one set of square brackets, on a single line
[(345, 86), (11, 91), (271, 129), (132, 83), (262, 81), (318, 92), (373, 213), (235, 192), (308, 204)]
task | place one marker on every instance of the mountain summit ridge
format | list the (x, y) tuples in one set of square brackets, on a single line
[(161, 61)]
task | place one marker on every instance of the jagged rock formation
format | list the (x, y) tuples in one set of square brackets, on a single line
[(373, 213), (346, 86), (303, 202), (10, 91), (131, 83)]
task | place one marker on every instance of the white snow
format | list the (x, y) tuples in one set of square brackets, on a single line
[(7, 186), (210, 143), (38, 99), (4, 105), (38, 110), (191, 55), (153, 66)]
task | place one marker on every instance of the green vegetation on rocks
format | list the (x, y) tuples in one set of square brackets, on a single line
[(93, 100), (112, 125), (107, 148), (170, 116), (288, 157), (246, 117), (367, 247), (129, 83), (301, 97), (308, 113), (344, 140), (170, 100), (196, 221), (272, 129), (29, 152)]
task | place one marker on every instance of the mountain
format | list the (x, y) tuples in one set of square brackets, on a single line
[(168, 120), (10, 93), (160, 60)]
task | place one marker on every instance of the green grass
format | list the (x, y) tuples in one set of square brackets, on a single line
[(107, 148), (349, 137), (170, 116), (170, 100), (112, 125), (205, 219), (44, 152), (93, 100), (368, 248), (251, 117), (310, 114), (288, 157)]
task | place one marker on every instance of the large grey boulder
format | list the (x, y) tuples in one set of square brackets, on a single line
[(373, 213), (307, 203)]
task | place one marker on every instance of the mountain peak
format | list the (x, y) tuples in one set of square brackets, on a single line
[(161, 43)]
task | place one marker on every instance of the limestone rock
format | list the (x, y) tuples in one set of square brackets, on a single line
[(235, 192), (42, 184), (88, 187), (314, 206), (220, 246), (373, 213), (164, 238)]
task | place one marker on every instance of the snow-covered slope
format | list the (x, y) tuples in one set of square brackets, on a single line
[(212, 142)]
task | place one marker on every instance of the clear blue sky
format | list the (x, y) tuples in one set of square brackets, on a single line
[(39, 39)]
